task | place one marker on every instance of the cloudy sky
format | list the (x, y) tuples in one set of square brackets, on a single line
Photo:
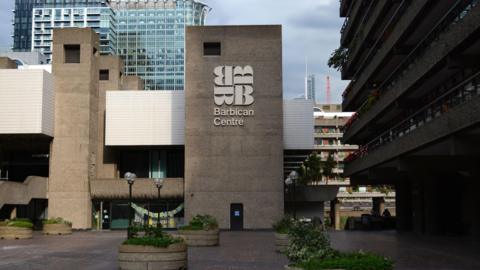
[(311, 30)]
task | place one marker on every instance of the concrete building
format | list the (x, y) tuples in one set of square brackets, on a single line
[(415, 88), (219, 145)]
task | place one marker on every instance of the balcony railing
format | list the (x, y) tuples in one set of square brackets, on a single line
[(461, 94), (455, 14)]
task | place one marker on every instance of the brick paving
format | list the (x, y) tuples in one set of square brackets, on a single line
[(237, 251)]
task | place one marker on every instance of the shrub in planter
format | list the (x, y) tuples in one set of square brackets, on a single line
[(151, 248), (308, 241), (57, 226), (349, 261), (16, 229), (282, 227), (201, 231)]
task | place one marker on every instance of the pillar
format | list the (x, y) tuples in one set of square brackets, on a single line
[(378, 205), (335, 213)]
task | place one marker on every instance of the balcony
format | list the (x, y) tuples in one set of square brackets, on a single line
[(451, 32), (410, 25), (26, 102), (452, 112), (336, 147)]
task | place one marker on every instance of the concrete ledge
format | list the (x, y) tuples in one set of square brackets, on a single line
[(281, 242), (132, 257), (57, 229), (457, 119), (7, 232), (34, 187), (142, 189), (200, 238)]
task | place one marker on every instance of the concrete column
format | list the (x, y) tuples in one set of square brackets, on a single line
[(335, 214), (378, 205), (403, 204), (74, 149), (432, 206)]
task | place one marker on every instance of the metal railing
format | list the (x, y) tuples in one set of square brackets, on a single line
[(460, 94)]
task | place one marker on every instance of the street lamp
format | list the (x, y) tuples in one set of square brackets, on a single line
[(159, 184), (292, 180), (130, 177)]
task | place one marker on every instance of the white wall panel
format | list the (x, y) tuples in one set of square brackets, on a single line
[(149, 118), (26, 102), (298, 124)]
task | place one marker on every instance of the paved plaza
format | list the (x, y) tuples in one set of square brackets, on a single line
[(237, 251)]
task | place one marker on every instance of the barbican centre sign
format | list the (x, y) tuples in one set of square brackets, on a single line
[(233, 93)]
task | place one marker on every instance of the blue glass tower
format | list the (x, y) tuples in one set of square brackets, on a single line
[(151, 38)]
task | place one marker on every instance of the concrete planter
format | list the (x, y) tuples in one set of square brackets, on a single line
[(57, 229), (281, 242), (200, 238), (8, 232), (132, 257), (296, 268)]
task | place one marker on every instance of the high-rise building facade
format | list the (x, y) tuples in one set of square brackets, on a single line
[(151, 39), (101, 19), (310, 87), (23, 16), (415, 85)]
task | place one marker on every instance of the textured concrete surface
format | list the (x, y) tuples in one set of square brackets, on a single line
[(237, 251), (234, 164)]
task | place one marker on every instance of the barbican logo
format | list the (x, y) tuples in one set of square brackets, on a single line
[(233, 87)]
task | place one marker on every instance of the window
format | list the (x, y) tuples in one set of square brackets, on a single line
[(104, 75), (72, 53), (212, 48)]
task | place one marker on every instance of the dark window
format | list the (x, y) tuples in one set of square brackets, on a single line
[(104, 75), (212, 48), (72, 53)]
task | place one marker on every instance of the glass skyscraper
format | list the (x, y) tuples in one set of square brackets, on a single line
[(151, 38), (310, 87)]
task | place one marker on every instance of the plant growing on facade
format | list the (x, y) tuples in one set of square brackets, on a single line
[(338, 58)]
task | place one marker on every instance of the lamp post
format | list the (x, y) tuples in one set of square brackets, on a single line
[(130, 177), (159, 184), (292, 180)]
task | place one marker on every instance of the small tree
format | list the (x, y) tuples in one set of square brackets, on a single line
[(328, 166), (338, 58)]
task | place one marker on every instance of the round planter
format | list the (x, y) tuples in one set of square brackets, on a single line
[(57, 229), (7, 232), (281, 242), (200, 238), (296, 268), (132, 257)]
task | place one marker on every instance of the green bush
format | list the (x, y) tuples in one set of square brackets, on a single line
[(150, 236), (58, 220), (308, 241), (349, 261), (201, 222), (20, 223), (163, 241), (283, 225)]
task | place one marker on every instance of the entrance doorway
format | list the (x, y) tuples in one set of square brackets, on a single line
[(236, 217)]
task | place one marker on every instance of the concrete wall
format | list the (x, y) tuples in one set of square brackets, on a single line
[(298, 123), (74, 148), (26, 102), (235, 164), (7, 63), (146, 118)]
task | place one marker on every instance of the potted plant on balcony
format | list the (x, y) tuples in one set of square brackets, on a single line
[(151, 248), (282, 227), (16, 229), (57, 226), (202, 231)]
